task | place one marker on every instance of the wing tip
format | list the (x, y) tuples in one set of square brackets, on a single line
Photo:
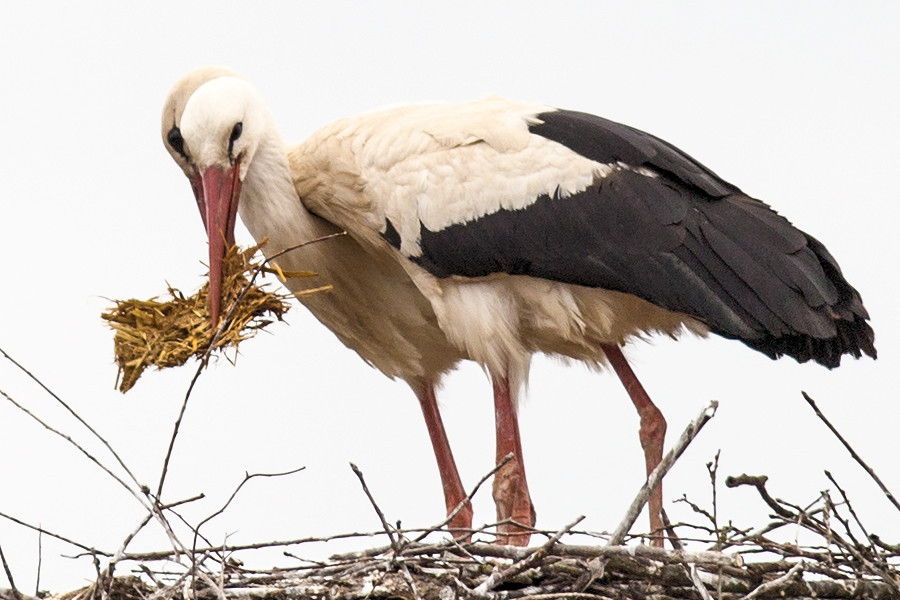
[(855, 338)]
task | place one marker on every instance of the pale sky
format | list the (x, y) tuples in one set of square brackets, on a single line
[(796, 103)]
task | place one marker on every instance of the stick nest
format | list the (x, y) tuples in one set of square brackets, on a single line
[(166, 333)]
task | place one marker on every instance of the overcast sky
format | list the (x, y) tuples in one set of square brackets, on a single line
[(796, 103)]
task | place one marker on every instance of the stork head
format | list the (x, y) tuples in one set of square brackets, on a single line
[(212, 123)]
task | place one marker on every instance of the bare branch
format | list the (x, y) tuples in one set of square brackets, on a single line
[(61, 538), (9, 576), (759, 482), (74, 414), (80, 448), (387, 528), (850, 508), (40, 560), (853, 453), (177, 426), (149, 506), (247, 477)]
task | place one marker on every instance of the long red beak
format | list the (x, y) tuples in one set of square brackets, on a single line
[(217, 192)]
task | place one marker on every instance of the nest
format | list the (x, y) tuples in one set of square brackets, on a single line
[(166, 333)]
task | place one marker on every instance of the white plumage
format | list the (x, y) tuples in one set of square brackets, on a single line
[(434, 166), (495, 229)]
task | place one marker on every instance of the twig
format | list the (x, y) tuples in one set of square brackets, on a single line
[(204, 361), (690, 568), (144, 502), (694, 575), (167, 554), (111, 567), (670, 531), (850, 508), (69, 439), (853, 453), (61, 538), (805, 519), (701, 557), (247, 477), (177, 426), (759, 482), (529, 561), (775, 584), (120, 553), (212, 344), (40, 560), (9, 577), (713, 468), (73, 413), (660, 471), (467, 500), (395, 544), (618, 536)]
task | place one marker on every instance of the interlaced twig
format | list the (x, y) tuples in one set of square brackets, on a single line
[(850, 508), (836, 564), (535, 557), (467, 500)]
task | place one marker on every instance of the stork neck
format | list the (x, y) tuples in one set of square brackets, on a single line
[(270, 206)]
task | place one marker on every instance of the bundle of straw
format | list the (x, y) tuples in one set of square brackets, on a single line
[(166, 333)]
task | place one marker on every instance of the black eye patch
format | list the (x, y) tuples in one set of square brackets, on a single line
[(176, 141), (235, 134)]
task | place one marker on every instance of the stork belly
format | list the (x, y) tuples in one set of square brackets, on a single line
[(572, 320), (515, 315)]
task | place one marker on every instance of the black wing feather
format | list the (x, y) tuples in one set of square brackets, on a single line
[(684, 240)]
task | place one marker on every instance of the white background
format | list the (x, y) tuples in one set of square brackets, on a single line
[(796, 103)]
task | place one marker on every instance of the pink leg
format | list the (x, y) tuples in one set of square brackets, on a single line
[(510, 487), (652, 432), (454, 493)]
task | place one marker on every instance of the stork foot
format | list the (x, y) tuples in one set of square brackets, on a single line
[(515, 512)]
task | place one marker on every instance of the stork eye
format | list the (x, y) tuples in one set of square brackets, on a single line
[(176, 141), (236, 132)]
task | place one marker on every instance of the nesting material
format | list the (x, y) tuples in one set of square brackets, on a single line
[(166, 333)]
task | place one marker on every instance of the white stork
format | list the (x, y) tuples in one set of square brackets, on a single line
[(495, 229)]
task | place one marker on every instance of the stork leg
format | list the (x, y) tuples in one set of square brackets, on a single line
[(454, 493), (510, 487), (652, 432)]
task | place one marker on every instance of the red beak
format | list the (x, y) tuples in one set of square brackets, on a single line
[(217, 192)]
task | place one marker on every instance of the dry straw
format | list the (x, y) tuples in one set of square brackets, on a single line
[(166, 333)]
